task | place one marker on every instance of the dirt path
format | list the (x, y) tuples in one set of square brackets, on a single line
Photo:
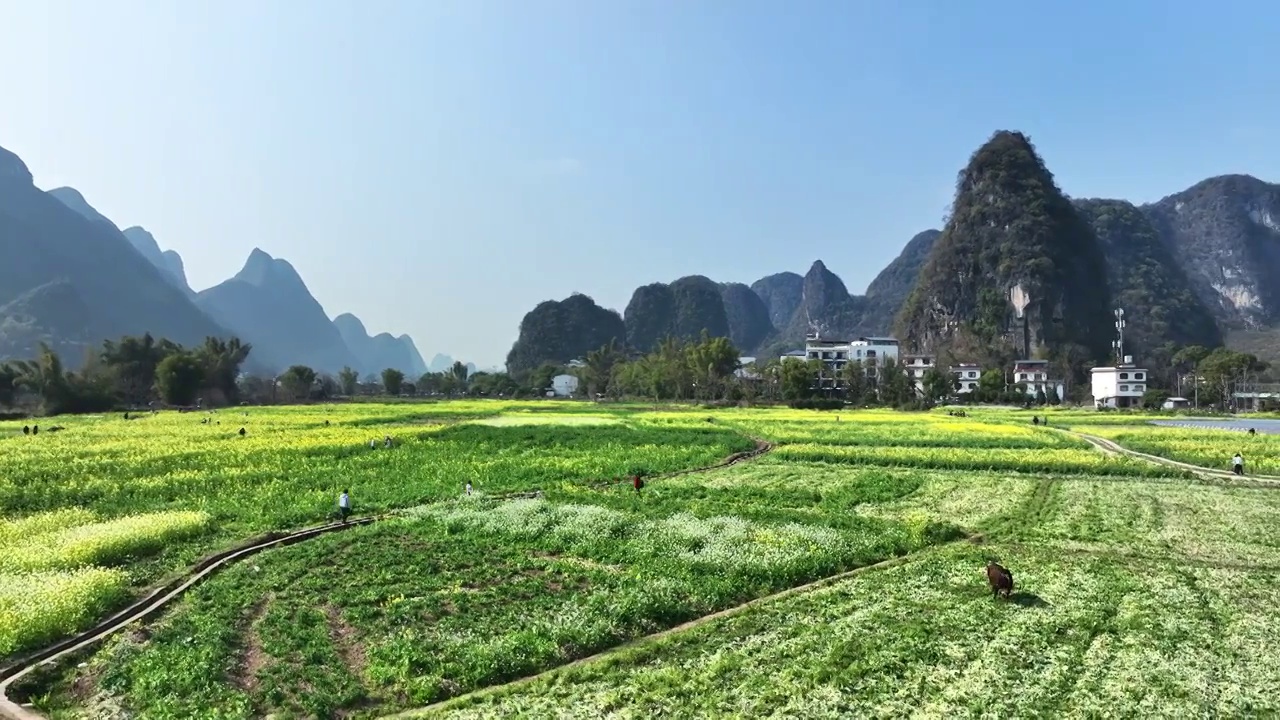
[(1110, 447), (684, 627), (157, 599)]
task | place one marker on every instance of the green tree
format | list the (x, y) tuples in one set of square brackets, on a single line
[(133, 362), (1054, 398), (9, 375), (1041, 397), (598, 368), (990, 385), (1189, 357), (431, 383), (1153, 398), (539, 379), (297, 381), (222, 360), (1223, 368), (459, 373), (711, 362), (798, 378), (853, 376), (348, 378), (45, 377), (392, 381), (179, 378), (938, 384), (894, 385)]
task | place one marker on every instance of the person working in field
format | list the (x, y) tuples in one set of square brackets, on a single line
[(344, 505), (637, 483), (1237, 464)]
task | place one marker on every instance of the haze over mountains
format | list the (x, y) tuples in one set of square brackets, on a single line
[(1196, 267), (72, 279)]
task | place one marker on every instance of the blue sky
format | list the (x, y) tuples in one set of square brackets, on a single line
[(440, 167)]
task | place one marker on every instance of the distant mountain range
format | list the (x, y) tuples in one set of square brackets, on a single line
[(1197, 267), (72, 278)]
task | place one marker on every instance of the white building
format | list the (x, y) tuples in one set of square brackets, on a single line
[(564, 385), (916, 366), (1120, 386), (967, 375), (870, 351), (746, 369), (1034, 376)]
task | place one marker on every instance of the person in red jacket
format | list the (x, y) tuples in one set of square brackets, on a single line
[(637, 483)]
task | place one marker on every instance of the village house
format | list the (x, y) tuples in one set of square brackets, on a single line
[(1118, 386), (563, 386), (746, 369), (1034, 376), (916, 366), (967, 375), (870, 351)]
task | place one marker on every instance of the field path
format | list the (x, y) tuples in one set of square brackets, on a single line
[(157, 599), (655, 637), (1110, 447)]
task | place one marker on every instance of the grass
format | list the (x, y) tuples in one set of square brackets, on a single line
[(1087, 636), (1134, 595)]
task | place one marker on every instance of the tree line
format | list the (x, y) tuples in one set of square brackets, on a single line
[(137, 371), (133, 371), (709, 370)]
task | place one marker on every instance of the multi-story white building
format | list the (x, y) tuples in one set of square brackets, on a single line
[(870, 351), (916, 366), (1034, 376), (1119, 386), (967, 375)]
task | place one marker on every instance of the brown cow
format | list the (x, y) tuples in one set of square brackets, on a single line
[(1000, 580)]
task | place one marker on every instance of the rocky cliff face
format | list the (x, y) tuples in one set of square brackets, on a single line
[(1224, 232), (1162, 309), (1015, 271), (826, 306)]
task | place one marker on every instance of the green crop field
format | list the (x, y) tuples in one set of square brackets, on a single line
[(837, 575)]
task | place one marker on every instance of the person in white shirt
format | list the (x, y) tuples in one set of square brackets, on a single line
[(1237, 464), (344, 505), (468, 487)]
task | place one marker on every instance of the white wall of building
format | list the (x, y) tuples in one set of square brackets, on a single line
[(1034, 375), (916, 366), (871, 352), (968, 376), (564, 385), (1118, 386)]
